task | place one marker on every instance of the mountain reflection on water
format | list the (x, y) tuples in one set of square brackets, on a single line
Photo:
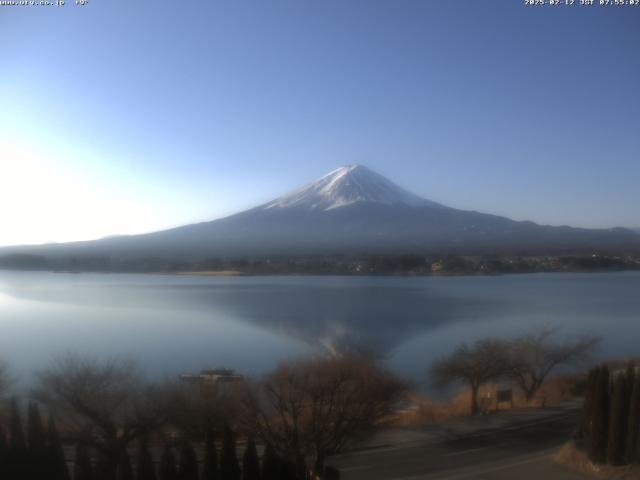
[(177, 323)]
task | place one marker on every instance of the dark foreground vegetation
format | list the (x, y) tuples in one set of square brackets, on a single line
[(609, 429), (40, 454), (99, 420), (105, 423), (410, 264)]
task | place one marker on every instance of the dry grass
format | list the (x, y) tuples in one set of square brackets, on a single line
[(563, 388), (425, 410), (570, 456)]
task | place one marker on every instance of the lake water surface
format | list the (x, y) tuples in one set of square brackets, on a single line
[(174, 324)]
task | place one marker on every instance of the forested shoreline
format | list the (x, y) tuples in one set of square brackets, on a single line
[(408, 264)]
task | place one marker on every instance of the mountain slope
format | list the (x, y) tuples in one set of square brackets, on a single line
[(347, 186), (351, 210)]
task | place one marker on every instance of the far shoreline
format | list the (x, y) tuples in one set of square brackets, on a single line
[(235, 273), (328, 273), (209, 273)]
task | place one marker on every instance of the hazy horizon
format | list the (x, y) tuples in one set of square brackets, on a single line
[(123, 118)]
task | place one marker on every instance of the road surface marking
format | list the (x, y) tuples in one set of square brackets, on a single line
[(462, 452), (475, 473), (517, 426), (359, 467), (495, 469)]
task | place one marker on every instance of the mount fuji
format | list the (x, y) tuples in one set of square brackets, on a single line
[(351, 210), (347, 186)]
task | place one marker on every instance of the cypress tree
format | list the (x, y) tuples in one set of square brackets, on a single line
[(188, 465), (104, 468), (288, 470), (229, 465), (168, 470), (331, 473), (58, 469), (301, 471), (18, 443), (618, 422), (146, 469), (38, 458), (35, 430), (4, 454), (18, 454), (210, 468), (82, 468), (587, 408), (270, 464), (250, 462), (630, 374), (600, 418), (125, 470), (633, 428)]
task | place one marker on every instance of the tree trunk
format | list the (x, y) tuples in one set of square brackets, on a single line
[(475, 408), (529, 394), (600, 421), (108, 459), (105, 468), (318, 467), (301, 471)]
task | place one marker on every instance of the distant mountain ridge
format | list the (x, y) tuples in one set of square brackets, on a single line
[(351, 210)]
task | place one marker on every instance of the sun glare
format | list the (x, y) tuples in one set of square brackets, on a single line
[(47, 192)]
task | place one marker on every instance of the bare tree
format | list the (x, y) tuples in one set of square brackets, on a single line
[(311, 409), (194, 410), (105, 404), (475, 365), (535, 355)]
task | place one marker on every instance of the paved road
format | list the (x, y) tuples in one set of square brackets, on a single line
[(521, 451)]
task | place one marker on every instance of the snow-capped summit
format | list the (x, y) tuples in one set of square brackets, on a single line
[(345, 186)]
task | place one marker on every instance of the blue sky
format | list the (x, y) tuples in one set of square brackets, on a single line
[(123, 117)]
